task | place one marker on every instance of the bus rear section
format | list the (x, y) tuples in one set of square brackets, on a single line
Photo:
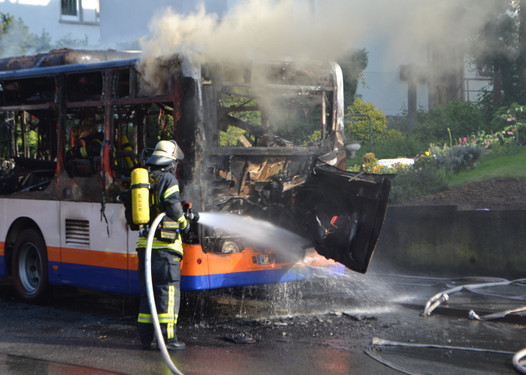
[(263, 140)]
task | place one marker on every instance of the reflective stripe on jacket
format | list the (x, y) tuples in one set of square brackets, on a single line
[(177, 246)]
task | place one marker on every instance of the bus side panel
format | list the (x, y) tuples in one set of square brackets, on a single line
[(133, 262), (194, 268), (202, 271), (94, 247), (44, 214)]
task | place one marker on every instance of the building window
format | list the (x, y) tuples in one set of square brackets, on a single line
[(80, 11), (70, 8)]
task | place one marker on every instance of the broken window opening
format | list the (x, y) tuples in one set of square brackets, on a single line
[(31, 167), (264, 119)]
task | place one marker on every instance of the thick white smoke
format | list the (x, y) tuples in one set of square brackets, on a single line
[(316, 28)]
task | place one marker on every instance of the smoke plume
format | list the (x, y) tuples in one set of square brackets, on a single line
[(323, 29)]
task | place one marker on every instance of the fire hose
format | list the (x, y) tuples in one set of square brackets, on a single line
[(517, 358), (439, 298), (151, 300)]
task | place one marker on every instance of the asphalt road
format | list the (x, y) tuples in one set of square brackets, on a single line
[(330, 326)]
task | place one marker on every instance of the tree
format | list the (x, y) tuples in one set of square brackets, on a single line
[(500, 48), (352, 64), (15, 38), (357, 124)]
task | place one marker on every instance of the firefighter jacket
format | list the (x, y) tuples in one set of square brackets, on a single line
[(165, 197)]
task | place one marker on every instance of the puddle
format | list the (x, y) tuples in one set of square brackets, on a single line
[(18, 365)]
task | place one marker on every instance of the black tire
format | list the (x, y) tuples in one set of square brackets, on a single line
[(29, 266)]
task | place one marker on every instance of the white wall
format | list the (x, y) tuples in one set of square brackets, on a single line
[(126, 21), (45, 16)]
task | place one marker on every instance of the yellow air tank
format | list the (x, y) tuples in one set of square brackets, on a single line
[(140, 196)]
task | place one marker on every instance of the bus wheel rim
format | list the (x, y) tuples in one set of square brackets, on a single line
[(30, 269)]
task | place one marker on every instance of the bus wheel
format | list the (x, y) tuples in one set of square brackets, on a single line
[(29, 266)]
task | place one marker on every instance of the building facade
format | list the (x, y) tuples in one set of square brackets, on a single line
[(68, 20)]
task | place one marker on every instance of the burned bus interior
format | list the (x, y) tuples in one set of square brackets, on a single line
[(260, 139)]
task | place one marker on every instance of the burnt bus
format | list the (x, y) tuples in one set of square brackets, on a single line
[(262, 139)]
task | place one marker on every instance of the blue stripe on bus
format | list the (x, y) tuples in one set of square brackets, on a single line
[(226, 280), (126, 282), (94, 278)]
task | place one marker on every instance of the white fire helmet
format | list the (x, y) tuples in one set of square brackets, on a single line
[(165, 153)]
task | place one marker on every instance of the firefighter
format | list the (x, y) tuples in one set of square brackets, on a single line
[(167, 248)]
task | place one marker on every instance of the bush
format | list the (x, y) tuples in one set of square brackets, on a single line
[(358, 127), (406, 146), (450, 121), (509, 124), (457, 157), (416, 182)]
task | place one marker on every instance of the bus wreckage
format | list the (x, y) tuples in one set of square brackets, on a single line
[(261, 139)]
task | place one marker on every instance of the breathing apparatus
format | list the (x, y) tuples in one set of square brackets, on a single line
[(165, 155), (140, 188)]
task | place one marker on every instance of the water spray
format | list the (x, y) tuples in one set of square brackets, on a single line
[(258, 233)]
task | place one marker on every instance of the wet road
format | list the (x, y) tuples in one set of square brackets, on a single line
[(330, 326)]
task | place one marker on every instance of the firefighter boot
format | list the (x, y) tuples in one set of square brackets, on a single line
[(172, 343), (145, 334), (175, 345)]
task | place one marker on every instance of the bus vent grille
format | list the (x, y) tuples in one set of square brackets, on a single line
[(77, 232)]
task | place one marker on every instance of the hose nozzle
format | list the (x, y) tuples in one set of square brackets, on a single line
[(190, 215)]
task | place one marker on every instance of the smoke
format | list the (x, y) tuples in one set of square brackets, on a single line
[(322, 30), (12, 39)]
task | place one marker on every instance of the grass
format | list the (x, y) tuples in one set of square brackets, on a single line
[(493, 167)]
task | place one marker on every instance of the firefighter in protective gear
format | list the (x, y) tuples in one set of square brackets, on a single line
[(167, 248)]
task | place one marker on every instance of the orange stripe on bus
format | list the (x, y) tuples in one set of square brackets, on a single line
[(196, 262), (2, 247), (53, 254), (95, 258)]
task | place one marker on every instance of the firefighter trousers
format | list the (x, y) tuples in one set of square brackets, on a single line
[(166, 279)]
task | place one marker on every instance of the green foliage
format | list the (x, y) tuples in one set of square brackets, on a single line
[(31, 142), (510, 123), (16, 39), (508, 162), (453, 120), (352, 64), (417, 181), (230, 137), (431, 171), (369, 161), (456, 158), (405, 145), (69, 41), (5, 21), (4, 137), (498, 45), (358, 128)]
